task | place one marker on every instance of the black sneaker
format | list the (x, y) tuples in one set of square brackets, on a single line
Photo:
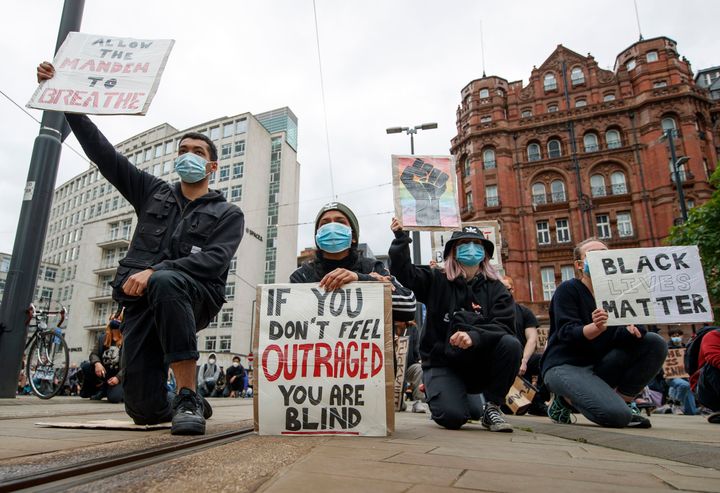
[(207, 408), (637, 420), (538, 409), (493, 420), (714, 418), (188, 413)]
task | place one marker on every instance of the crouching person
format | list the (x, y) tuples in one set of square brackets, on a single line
[(102, 375), (468, 346)]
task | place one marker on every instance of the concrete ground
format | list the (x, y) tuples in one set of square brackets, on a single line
[(680, 453)]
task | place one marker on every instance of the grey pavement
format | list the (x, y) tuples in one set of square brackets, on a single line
[(680, 453)]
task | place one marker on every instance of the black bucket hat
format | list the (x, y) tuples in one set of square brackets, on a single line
[(469, 233), (337, 206)]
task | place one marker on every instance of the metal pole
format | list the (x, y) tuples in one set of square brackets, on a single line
[(32, 226), (415, 234), (669, 133)]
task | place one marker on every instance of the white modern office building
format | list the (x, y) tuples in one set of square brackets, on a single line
[(91, 225)]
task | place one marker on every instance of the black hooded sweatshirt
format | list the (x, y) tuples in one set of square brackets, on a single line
[(432, 287)]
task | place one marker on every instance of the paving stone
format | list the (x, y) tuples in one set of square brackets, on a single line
[(303, 482)]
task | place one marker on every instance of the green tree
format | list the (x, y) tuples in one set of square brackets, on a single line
[(703, 229)]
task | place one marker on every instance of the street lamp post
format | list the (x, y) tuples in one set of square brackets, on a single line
[(411, 131), (676, 163)]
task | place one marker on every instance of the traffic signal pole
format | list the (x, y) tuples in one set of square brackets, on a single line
[(32, 226)]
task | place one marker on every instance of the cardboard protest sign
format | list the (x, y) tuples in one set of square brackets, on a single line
[(401, 350), (489, 229), (425, 192), (674, 366), (520, 396), (650, 285), (324, 360), (103, 75), (542, 338)]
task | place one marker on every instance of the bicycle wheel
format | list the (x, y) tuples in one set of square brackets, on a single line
[(47, 364)]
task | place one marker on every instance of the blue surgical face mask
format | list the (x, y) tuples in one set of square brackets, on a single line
[(333, 237), (470, 254), (190, 167), (676, 340), (586, 268)]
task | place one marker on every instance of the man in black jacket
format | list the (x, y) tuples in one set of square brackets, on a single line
[(172, 281)]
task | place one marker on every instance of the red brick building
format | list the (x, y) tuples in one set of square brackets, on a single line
[(578, 152)]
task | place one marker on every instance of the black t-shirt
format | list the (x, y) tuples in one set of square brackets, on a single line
[(524, 318)]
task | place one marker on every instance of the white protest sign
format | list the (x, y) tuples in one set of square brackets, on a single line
[(324, 360), (103, 75), (662, 285), (489, 229)]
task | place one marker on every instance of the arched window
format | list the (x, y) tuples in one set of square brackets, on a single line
[(612, 137), (557, 188), (609, 97), (618, 183), (668, 123), (549, 82), (538, 193), (579, 103), (466, 167), (552, 108), (590, 142), (484, 93), (554, 148), (533, 152), (526, 113), (597, 186), (489, 159), (577, 76)]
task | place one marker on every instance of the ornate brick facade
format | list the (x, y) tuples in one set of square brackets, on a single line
[(578, 152)]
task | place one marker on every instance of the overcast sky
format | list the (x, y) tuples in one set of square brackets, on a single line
[(385, 63)]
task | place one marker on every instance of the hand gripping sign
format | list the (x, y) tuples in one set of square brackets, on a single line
[(103, 75), (425, 192), (650, 285), (324, 360)]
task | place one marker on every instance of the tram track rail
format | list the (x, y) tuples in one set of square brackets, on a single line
[(60, 478)]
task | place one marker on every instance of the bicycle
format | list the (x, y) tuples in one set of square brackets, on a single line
[(47, 354)]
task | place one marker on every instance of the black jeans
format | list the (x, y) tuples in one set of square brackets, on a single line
[(159, 329), (708, 387), (92, 385), (453, 392)]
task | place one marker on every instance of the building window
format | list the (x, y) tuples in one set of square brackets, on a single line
[(597, 186), (5, 264), (226, 317), (612, 138), (157, 169), (210, 343), (238, 169), (651, 56), (557, 188), (543, 232), (549, 82), (484, 93), (230, 291), (167, 167), (577, 76), (224, 172), (466, 167), (538, 193), (618, 183), (548, 282), (233, 265), (562, 230), (235, 193), (239, 148), (554, 149), (469, 200), (148, 154), (681, 171), (225, 151), (552, 108), (630, 64), (526, 113), (225, 343), (603, 226), (533, 152), (624, 225), (241, 126), (50, 273), (567, 272), (579, 103), (491, 196), (668, 123), (659, 83), (215, 133), (609, 97), (590, 142), (486, 119), (169, 147), (227, 130), (158, 150), (489, 159)]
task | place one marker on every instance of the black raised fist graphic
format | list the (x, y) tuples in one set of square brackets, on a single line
[(426, 184)]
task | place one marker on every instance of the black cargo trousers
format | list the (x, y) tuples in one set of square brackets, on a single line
[(160, 328)]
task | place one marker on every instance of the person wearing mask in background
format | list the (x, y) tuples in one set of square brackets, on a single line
[(593, 367), (208, 376), (234, 379), (469, 345), (338, 262), (172, 280), (102, 374), (526, 325), (679, 388), (704, 363)]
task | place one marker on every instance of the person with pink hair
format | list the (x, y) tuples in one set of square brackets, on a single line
[(468, 346)]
